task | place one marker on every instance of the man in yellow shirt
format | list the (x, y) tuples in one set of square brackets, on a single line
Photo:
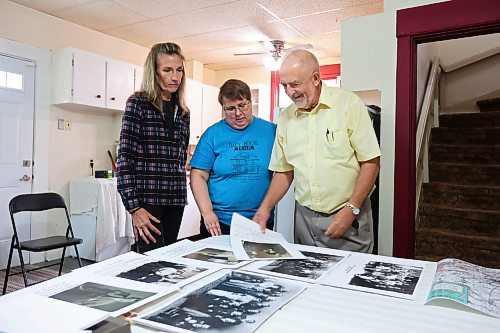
[(326, 141)]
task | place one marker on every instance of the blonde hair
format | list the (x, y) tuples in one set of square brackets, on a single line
[(150, 87)]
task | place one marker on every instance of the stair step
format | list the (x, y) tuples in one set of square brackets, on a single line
[(482, 154), (465, 174), (477, 119), (489, 105), (480, 250), (465, 136), (473, 222), (429, 258), (462, 196)]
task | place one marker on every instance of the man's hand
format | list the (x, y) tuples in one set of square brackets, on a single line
[(141, 220), (261, 217), (212, 223), (341, 223)]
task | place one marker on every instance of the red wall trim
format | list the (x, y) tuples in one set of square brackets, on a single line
[(329, 72), (275, 92), (441, 21)]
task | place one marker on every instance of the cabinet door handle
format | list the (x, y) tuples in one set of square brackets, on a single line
[(98, 96), (112, 98)]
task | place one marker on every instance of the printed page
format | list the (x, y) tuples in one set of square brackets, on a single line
[(318, 262), (471, 285), (46, 315), (101, 293), (233, 301), (213, 256), (378, 274), (174, 250), (249, 243), (132, 269)]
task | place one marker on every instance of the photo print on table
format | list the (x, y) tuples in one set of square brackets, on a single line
[(265, 250), (234, 302), (388, 277), (213, 255), (102, 297), (161, 272), (312, 268)]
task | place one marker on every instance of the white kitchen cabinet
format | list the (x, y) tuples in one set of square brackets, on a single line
[(261, 101), (211, 109), (194, 101), (84, 79), (138, 76), (119, 84)]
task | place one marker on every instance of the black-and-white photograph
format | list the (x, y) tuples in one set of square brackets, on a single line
[(213, 255), (236, 302), (311, 268), (388, 276), (265, 250), (102, 297), (162, 272)]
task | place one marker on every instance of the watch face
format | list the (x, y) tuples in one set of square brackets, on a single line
[(355, 211)]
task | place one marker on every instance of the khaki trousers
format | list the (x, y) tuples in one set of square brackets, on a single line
[(310, 227)]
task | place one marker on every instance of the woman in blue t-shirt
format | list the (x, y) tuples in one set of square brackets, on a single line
[(229, 168)]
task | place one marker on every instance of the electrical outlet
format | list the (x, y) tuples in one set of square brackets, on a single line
[(67, 125)]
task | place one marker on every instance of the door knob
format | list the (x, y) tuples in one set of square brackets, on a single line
[(25, 178)]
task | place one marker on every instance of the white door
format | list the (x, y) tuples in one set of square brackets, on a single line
[(17, 86)]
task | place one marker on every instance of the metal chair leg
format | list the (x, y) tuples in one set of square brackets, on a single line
[(7, 271), (62, 261), (78, 256), (21, 259)]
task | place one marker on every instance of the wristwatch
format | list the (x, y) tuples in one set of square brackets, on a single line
[(355, 210)]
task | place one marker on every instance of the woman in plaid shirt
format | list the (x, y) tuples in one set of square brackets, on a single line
[(152, 151)]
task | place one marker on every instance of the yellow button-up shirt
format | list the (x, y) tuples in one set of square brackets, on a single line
[(323, 148)]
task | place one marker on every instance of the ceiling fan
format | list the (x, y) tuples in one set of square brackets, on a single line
[(277, 49)]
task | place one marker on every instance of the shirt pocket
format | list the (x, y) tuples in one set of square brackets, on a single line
[(335, 144)]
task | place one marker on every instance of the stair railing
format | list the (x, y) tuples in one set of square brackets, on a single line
[(429, 118)]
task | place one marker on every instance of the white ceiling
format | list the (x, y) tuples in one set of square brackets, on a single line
[(212, 31)]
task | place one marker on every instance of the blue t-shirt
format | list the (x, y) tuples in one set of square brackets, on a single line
[(238, 161)]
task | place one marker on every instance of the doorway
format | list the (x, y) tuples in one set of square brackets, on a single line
[(430, 23)]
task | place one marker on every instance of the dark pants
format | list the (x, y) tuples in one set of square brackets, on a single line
[(225, 229), (170, 218)]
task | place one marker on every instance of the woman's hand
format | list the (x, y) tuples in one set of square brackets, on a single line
[(212, 223), (141, 220)]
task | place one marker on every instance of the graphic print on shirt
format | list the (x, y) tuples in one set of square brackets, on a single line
[(245, 162)]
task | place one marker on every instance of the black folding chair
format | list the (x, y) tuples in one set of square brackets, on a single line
[(36, 203)]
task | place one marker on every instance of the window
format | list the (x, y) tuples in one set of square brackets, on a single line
[(11, 80)]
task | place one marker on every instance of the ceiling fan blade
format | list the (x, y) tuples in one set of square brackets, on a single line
[(250, 53), (298, 47)]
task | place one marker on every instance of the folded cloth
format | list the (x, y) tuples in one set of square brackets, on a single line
[(113, 221)]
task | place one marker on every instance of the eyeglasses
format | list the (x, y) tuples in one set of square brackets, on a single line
[(232, 109)]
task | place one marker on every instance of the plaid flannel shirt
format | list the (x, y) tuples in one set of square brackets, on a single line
[(152, 158)]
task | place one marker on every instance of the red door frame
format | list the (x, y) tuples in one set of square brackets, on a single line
[(430, 23), (327, 72)]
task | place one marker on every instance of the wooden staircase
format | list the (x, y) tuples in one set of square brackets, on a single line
[(459, 212)]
